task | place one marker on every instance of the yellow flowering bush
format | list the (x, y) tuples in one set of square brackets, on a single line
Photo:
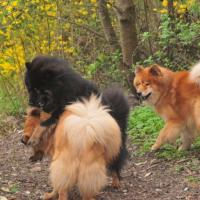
[(37, 27), (180, 7), (72, 29)]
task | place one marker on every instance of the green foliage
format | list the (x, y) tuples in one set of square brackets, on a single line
[(105, 69), (14, 189), (195, 9), (171, 152), (193, 179), (10, 103), (72, 30), (11, 100), (177, 43), (144, 126)]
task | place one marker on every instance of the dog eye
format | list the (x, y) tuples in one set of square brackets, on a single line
[(137, 84), (147, 83)]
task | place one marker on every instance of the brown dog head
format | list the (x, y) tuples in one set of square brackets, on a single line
[(151, 82), (31, 122)]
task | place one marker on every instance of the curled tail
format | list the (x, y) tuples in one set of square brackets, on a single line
[(90, 123), (195, 73)]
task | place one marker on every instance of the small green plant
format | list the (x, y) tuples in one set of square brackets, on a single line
[(179, 168), (171, 152), (14, 189), (13, 96), (10, 103), (105, 69), (144, 127), (193, 179), (177, 43)]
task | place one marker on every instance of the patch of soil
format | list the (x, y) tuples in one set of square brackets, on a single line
[(143, 178)]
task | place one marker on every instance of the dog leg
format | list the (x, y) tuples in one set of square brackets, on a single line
[(92, 176), (197, 115), (187, 138), (62, 195), (169, 133), (88, 198), (50, 195), (35, 138), (54, 118), (115, 180), (38, 155)]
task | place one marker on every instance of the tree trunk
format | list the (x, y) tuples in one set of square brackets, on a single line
[(170, 48), (125, 10), (126, 15), (146, 8), (109, 32)]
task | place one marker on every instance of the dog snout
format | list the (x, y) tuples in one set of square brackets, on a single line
[(41, 104), (139, 94), (24, 139), (33, 142)]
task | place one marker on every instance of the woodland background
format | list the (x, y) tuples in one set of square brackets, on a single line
[(103, 39)]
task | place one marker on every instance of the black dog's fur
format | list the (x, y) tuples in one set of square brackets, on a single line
[(118, 104), (52, 85)]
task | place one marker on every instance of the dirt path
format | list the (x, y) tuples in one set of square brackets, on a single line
[(143, 177)]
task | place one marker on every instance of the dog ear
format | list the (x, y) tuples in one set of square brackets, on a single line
[(155, 70), (35, 113), (28, 65), (138, 68)]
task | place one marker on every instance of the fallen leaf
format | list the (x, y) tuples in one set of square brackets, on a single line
[(5, 189), (36, 169), (147, 174), (3, 198)]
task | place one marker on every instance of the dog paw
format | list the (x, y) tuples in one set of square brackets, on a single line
[(155, 147), (49, 195), (36, 157), (115, 180), (183, 148), (24, 139), (116, 184), (33, 142)]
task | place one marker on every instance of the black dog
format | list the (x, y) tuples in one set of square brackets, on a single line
[(52, 84)]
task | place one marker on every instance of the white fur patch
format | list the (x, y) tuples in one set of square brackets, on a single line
[(195, 73)]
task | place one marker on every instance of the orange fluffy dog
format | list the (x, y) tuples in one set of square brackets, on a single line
[(176, 97), (85, 141), (40, 138)]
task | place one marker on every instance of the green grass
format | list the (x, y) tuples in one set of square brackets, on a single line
[(14, 189), (193, 179), (144, 127), (10, 105)]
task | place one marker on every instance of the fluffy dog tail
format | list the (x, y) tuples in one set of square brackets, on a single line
[(89, 138), (195, 73), (90, 123), (119, 108)]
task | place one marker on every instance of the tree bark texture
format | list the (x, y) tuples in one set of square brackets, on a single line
[(125, 10), (109, 32)]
